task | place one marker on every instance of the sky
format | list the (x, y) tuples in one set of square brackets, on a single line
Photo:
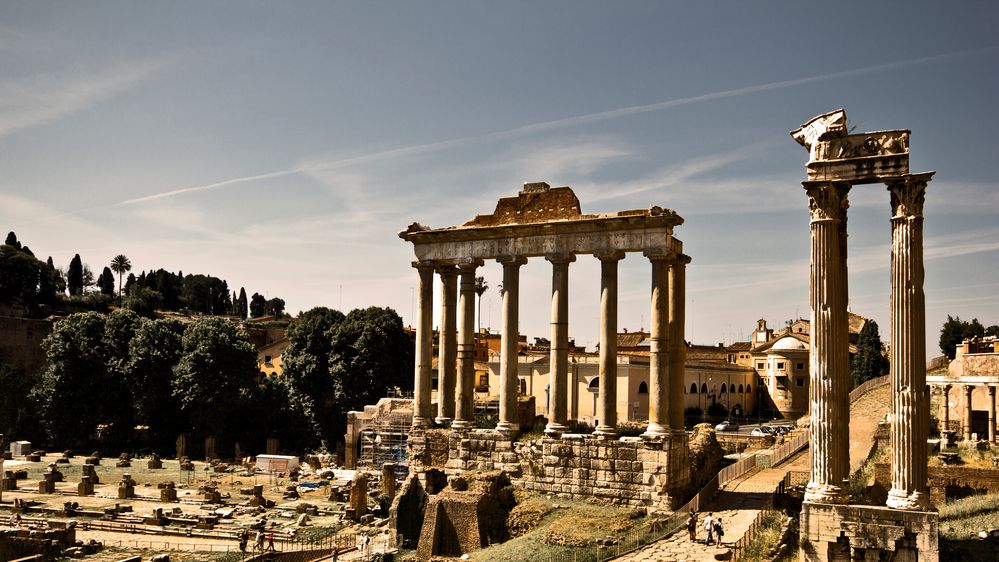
[(283, 145)]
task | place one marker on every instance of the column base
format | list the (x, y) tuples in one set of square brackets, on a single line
[(900, 499), (656, 431), (556, 429), (420, 422), (507, 428), (605, 431), (826, 493), (443, 421), (462, 425)]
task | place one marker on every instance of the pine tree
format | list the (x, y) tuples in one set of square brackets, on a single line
[(868, 362), (74, 278)]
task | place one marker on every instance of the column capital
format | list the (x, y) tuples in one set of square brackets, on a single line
[(946, 387), (447, 270), (609, 255), (907, 194), (827, 200), (969, 388), (425, 265), (469, 264), (992, 390), (683, 259), (560, 257), (512, 260), (660, 254)]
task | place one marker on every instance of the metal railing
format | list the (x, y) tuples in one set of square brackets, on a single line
[(869, 385), (796, 443), (740, 546)]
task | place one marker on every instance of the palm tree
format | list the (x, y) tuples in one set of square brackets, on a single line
[(480, 287), (120, 265)]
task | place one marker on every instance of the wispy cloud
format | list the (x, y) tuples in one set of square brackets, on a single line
[(555, 124), (36, 100)]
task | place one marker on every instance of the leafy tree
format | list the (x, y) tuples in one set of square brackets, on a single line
[(371, 353), (143, 301), (129, 282), (257, 305), (306, 367), (216, 375), (152, 354), (12, 241), (480, 288), (106, 282), (992, 330), (868, 362), (955, 330), (17, 410), (74, 277), (120, 264), (88, 277), (274, 307), (72, 393), (19, 276)]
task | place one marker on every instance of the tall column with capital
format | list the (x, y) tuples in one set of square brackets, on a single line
[(447, 352), (659, 373), (677, 345), (424, 345), (829, 351), (509, 342), (464, 417), (968, 389), (559, 369), (607, 393), (910, 423), (946, 401), (992, 414)]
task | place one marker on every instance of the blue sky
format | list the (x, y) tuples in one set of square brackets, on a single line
[(282, 146)]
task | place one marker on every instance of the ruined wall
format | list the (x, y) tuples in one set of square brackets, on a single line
[(832, 532), (21, 342), (949, 482), (629, 471)]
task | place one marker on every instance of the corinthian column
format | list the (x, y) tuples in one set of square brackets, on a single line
[(508, 422), (828, 347), (910, 423), (659, 373), (677, 345), (968, 389), (992, 414), (424, 345), (607, 393), (465, 403), (447, 352), (946, 395), (559, 372)]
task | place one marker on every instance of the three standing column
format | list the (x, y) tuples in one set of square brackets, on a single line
[(677, 345), (992, 414), (424, 345), (465, 401), (829, 351), (607, 394), (509, 343), (946, 397), (447, 351), (559, 372), (968, 389)]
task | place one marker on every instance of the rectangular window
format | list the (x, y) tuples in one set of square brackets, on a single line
[(801, 366), (267, 358), (800, 381), (760, 365), (484, 380), (780, 365)]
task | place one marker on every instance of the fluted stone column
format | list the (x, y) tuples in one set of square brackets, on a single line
[(447, 352), (607, 394), (968, 389), (677, 346), (910, 423), (559, 369), (659, 373), (992, 414), (508, 420), (424, 345), (946, 396), (465, 401), (829, 351)]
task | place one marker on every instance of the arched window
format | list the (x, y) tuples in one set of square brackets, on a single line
[(523, 387), (740, 389), (704, 388), (643, 388), (693, 388), (594, 384), (723, 388), (749, 389)]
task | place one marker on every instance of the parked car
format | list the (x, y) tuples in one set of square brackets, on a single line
[(727, 425), (762, 431)]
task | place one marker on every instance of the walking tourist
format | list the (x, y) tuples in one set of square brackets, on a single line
[(692, 525), (709, 529), (719, 530)]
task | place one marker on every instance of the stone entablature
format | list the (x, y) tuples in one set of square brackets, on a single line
[(867, 157), (627, 471)]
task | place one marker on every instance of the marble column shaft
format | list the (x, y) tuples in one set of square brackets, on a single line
[(447, 351), (946, 397), (465, 389), (607, 394), (659, 374), (424, 345), (829, 351), (910, 424), (558, 377), (509, 344), (676, 345), (992, 414), (968, 389)]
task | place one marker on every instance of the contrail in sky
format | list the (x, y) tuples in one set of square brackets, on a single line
[(568, 122)]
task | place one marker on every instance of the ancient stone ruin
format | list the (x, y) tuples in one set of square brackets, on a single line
[(907, 527)]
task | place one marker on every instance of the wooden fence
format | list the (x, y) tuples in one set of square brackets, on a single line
[(869, 385)]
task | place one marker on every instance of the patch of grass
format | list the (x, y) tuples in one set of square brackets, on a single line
[(766, 538), (864, 476), (960, 522), (970, 458)]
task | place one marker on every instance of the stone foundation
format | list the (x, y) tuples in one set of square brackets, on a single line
[(631, 471), (859, 532)]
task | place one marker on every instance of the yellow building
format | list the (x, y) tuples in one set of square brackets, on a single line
[(269, 357)]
